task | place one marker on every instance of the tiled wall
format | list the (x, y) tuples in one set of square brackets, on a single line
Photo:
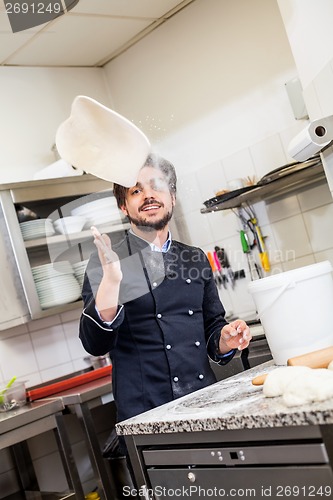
[(43, 349), (297, 226)]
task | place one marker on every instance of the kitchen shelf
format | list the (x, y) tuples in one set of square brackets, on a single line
[(51, 198), (62, 238), (283, 185)]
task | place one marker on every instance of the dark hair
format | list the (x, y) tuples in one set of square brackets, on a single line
[(154, 161)]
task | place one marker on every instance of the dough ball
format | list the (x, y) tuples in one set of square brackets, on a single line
[(278, 380), (313, 386)]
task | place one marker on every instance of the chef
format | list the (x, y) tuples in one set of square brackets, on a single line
[(152, 303)]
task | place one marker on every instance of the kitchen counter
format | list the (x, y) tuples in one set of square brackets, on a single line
[(230, 440), (32, 419), (96, 392), (27, 414), (230, 404), (80, 400)]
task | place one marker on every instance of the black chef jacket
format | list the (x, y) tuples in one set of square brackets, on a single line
[(170, 316)]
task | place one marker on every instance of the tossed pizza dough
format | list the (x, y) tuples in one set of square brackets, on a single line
[(299, 385), (330, 366)]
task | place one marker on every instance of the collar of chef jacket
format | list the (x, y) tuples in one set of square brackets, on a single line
[(166, 246)]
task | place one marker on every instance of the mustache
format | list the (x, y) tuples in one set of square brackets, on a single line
[(151, 201)]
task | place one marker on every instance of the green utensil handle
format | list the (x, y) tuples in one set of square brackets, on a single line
[(244, 242)]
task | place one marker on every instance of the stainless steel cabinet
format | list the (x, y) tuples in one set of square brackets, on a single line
[(47, 198), (13, 306)]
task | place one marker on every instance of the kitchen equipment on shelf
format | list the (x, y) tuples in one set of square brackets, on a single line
[(99, 212), (24, 214), (5, 389), (12, 395), (222, 258), (286, 303), (288, 169), (70, 224), (218, 277), (247, 247), (37, 228), (228, 195), (98, 361), (79, 270), (56, 284), (249, 219), (221, 277)]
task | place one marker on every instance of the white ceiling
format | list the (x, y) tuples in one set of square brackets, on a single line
[(91, 34)]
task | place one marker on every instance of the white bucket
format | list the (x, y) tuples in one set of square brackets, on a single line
[(295, 309)]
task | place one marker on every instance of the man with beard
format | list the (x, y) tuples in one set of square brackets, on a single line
[(152, 302)]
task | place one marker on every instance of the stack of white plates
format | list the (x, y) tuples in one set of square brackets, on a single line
[(100, 212), (70, 224), (56, 284), (37, 228), (79, 270)]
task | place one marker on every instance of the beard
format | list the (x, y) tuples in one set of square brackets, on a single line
[(149, 226)]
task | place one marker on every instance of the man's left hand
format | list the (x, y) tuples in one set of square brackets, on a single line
[(235, 335)]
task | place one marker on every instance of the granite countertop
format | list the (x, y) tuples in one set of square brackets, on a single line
[(233, 403)]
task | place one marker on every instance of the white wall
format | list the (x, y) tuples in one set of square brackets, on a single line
[(309, 28), (33, 103), (208, 82), (209, 92)]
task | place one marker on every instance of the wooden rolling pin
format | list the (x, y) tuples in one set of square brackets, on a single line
[(315, 359), (260, 379)]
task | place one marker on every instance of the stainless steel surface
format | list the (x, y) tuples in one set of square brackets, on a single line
[(240, 455), (43, 196), (91, 392), (13, 306), (49, 189), (299, 179), (18, 426), (26, 415), (80, 401), (276, 459), (254, 482)]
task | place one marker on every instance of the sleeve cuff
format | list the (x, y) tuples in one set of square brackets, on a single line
[(109, 323), (227, 354)]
